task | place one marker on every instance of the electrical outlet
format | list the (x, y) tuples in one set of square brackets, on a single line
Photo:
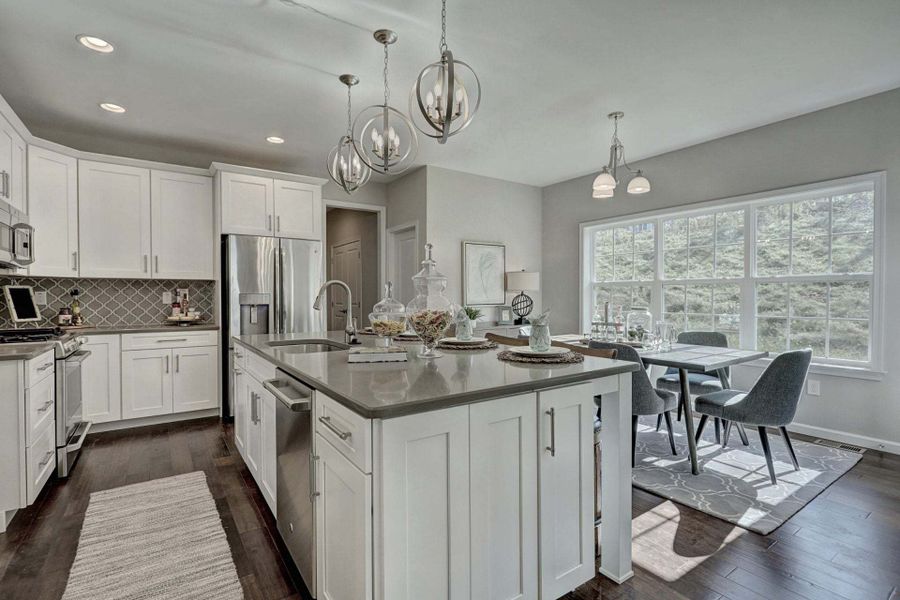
[(167, 297), (40, 298), (813, 388)]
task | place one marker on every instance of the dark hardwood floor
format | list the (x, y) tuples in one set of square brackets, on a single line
[(844, 545)]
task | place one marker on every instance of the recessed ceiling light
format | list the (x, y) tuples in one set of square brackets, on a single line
[(94, 43), (113, 108), (274, 139)]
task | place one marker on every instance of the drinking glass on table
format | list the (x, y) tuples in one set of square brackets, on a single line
[(663, 328)]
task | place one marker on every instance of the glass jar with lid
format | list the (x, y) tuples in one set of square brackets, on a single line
[(388, 317), (430, 312), (638, 323)]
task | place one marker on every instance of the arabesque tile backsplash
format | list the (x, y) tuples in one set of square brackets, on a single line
[(111, 302)]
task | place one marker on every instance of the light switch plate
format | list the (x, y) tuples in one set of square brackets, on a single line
[(40, 298), (184, 293), (813, 387), (167, 297)]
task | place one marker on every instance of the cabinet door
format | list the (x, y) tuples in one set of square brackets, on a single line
[(566, 488), (101, 379), (53, 204), (18, 175), (113, 220), (298, 210), (182, 225), (253, 439), (425, 500), (503, 463), (241, 396), (268, 456), (194, 385), (343, 527), (6, 154), (247, 204), (146, 383)]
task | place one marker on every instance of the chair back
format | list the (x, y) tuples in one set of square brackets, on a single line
[(774, 398), (597, 352), (644, 399), (506, 341)]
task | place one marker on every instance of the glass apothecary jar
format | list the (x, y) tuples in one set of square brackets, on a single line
[(638, 323), (430, 312), (388, 317)]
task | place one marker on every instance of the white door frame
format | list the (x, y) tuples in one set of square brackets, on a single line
[(382, 225), (392, 247)]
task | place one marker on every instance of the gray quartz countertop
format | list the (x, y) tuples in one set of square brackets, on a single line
[(384, 390), (24, 351), (153, 328)]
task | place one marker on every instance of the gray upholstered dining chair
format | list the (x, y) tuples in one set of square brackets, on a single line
[(644, 399), (771, 403)]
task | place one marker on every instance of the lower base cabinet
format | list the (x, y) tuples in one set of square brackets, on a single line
[(254, 432), (101, 379), (165, 381), (343, 527)]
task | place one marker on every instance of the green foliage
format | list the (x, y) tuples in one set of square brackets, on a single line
[(472, 312)]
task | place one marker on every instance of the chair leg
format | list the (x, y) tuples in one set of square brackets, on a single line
[(764, 438), (680, 410), (658, 421), (634, 424), (790, 447), (718, 423), (727, 432), (703, 419), (668, 416), (743, 434)]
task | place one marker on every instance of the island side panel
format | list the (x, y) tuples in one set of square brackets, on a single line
[(615, 478)]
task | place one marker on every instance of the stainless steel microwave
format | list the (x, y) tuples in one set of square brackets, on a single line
[(16, 243)]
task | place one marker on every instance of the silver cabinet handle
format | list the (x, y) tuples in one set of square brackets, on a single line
[(177, 363), (326, 421), (146, 260), (46, 459), (45, 367), (167, 364), (552, 446), (156, 262), (171, 340), (269, 222), (238, 371), (75, 261), (278, 223), (312, 477), (254, 407), (46, 405)]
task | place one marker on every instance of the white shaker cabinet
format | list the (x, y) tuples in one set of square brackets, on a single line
[(241, 398), (194, 379), (268, 455), (298, 210), (53, 202), (504, 464), (253, 442), (101, 379), (247, 204), (343, 527), (566, 488), (18, 175), (182, 225), (113, 220), (9, 175), (146, 383)]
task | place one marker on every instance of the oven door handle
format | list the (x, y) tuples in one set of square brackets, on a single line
[(78, 357), (76, 446)]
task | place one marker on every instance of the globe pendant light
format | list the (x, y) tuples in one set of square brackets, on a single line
[(605, 183), (344, 166), (384, 138), (448, 106)]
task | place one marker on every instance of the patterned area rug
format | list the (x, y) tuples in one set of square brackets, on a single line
[(734, 484), (161, 539)]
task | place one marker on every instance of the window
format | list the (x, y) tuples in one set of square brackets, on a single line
[(791, 269)]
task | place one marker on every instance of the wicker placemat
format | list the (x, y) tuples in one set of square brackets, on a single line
[(560, 359), (486, 345)]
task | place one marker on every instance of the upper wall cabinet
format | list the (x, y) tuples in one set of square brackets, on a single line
[(113, 220), (253, 205), (12, 167), (53, 201), (182, 225)]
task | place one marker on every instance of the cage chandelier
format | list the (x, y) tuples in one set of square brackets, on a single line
[(605, 183), (344, 166)]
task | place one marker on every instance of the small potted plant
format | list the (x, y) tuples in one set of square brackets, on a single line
[(474, 314)]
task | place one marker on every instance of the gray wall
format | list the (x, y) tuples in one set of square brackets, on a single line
[(849, 139), (341, 226)]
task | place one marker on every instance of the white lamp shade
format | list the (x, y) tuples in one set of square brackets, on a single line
[(604, 181), (602, 194), (523, 281), (639, 185)]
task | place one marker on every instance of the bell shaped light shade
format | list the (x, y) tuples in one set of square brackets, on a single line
[(602, 193), (639, 184), (604, 181)]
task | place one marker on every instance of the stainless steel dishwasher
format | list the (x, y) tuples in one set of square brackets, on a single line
[(294, 433)]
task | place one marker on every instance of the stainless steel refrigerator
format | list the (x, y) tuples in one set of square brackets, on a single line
[(268, 286)]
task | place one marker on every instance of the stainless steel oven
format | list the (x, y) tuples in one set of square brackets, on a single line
[(71, 428)]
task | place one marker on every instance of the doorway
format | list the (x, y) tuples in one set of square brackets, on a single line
[(403, 259), (352, 255)]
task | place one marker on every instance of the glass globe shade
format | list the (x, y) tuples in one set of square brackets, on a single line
[(639, 185), (604, 181)]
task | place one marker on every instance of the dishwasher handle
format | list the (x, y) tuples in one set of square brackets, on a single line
[(298, 398)]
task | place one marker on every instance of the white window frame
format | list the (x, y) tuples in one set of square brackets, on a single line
[(750, 202)]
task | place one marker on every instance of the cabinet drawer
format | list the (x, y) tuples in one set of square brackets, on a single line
[(38, 368), (176, 339), (258, 367), (347, 431), (40, 401), (40, 460)]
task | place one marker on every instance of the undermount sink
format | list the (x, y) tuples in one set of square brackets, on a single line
[(310, 346)]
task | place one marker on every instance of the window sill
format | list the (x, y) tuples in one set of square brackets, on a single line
[(866, 373)]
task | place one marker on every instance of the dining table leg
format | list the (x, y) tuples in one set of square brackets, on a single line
[(688, 420)]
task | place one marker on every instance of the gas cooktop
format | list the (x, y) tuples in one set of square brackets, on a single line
[(66, 343)]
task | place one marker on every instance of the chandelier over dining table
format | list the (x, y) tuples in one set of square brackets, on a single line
[(605, 183)]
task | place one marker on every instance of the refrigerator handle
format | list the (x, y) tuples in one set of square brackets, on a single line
[(282, 311), (279, 290)]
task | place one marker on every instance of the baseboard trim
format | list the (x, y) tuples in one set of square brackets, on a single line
[(848, 438), (618, 580), (144, 421)]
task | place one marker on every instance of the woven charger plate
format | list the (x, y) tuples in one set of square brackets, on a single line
[(488, 345), (562, 359)]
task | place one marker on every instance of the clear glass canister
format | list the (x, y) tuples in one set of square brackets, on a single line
[(388, 317), (638, 323), (430, 312)]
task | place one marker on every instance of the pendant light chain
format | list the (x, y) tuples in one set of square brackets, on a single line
[(349, 117), (443, 26), (387, 89)]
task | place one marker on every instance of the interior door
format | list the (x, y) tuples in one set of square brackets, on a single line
[(404, 262), (346, 265), (300, 271)]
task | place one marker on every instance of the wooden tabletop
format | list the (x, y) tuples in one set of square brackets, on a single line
[(700, 358)]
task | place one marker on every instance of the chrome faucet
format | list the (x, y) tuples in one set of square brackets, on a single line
[(350, 329)]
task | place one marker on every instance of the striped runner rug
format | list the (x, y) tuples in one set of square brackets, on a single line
[(160, 539)]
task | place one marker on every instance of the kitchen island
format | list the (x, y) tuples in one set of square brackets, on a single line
[(457, 477)]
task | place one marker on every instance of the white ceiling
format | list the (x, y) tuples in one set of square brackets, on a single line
[(208, 80)]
